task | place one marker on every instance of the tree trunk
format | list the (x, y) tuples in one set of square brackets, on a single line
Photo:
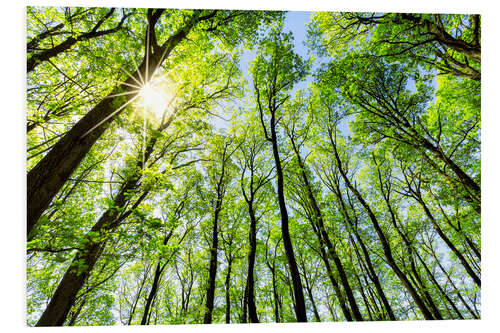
[(228, 295), (209, 306), (252, 310), (336, 288), (309, 293), (453, 285), (272, 268), (134, 306), (300, 309), (64, 297), (436, 283)]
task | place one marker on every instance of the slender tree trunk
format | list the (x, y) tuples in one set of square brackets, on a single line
[(134, 306), (311, 297), (409, 247), (152, 293), (252, 310), (212, 273), (468, 183), (365, 300), (336, 287), (75, 314), (454, 286), (209, 306), (245, 305), (272, 268), (64, 297), (372, 274), (419, 282), (228, 295), (300, 308)]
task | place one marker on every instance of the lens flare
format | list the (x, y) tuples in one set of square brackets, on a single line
[(153, 98)]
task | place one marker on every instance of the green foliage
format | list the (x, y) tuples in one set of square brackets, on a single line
[(381, 141)]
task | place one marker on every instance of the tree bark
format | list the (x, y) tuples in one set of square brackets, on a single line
[(300, 309), (209, 306), (156, 281), (228, 295), (252, 310), (212, 273)]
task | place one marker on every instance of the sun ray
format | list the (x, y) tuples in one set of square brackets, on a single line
[(137, 70), (111, 115), (130, 75), (128, 84), (147, 53), (123, 94)]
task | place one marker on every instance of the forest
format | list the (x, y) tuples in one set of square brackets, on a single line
[(197, 166)]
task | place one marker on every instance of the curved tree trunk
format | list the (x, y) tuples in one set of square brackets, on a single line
[(300, 308)]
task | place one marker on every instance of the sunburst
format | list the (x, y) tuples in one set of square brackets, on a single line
[(149, 95)]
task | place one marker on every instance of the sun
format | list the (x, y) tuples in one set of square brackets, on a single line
[(153, 97)]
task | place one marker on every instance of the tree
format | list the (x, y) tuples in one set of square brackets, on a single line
[(274, 72), (169, 183)]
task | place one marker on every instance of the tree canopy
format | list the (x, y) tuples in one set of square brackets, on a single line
[(202, 166)]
